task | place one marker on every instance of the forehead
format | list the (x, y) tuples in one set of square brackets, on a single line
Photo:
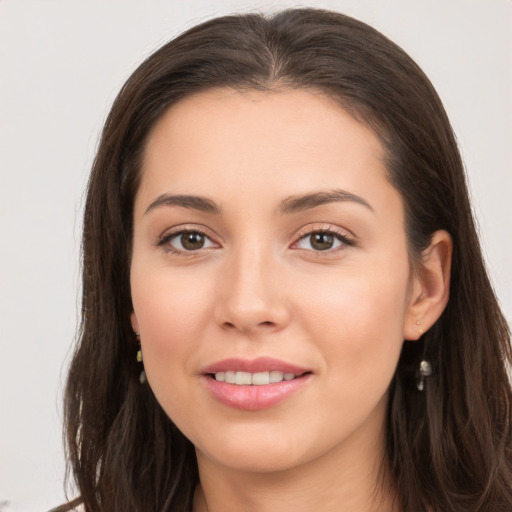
[(218, 113), (285, 142)]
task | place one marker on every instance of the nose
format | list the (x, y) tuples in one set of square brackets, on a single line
[(251, 294)]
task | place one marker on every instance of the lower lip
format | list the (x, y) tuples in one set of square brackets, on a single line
[(254, 398)]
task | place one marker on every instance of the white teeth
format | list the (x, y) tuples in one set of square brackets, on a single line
[(243, 378), (261, 378), (256, 379), (276, 376)]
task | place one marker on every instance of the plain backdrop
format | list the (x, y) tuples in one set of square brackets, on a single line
[(61, 65)]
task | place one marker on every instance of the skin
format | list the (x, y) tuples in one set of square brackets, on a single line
[(258, 287)]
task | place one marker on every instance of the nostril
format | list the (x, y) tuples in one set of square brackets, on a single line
[(231, 325)]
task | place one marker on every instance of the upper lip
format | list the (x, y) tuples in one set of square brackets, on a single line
[(260, 364)]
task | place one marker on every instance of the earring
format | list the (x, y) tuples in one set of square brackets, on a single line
[(418, 323), (142, 375), (424, 370)]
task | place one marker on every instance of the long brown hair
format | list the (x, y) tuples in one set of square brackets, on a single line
[(449, 447)]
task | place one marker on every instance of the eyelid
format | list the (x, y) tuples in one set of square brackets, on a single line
[(170, 233), (346, 237)]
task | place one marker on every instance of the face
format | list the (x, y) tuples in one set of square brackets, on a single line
[(270, 277)]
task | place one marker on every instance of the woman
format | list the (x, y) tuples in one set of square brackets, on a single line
[(284, 299)]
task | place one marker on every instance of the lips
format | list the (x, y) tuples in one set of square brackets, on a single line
[(261, 364), (254, 384)]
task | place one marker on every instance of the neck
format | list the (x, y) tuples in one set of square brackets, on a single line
[(346, 479)]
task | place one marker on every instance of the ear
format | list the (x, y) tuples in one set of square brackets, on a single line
[(430, 287), (134, 322)]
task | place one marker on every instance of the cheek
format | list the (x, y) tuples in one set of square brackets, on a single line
[(172, 311), (358, 319), (170, 318), (169, 303)]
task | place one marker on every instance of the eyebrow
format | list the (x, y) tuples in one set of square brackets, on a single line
[(292, 204), (198, 203), (296, 204)]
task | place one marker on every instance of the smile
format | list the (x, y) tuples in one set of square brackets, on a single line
[(254, 385), (254, 379)]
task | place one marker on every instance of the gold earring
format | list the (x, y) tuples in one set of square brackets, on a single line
[(142, 375), (139, 353)]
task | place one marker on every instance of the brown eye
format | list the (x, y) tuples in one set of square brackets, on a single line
[(321, 241), (186, 242), (192, 241)]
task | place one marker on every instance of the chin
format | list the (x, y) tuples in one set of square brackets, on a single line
[(254, 462), (254, 452)]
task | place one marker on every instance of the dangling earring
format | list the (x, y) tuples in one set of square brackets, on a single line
[(424, 370), (142, 375)]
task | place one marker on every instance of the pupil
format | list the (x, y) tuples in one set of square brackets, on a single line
[(322, 241), (192, 241)]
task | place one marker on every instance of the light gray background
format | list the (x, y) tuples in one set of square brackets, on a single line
[(61, 64)]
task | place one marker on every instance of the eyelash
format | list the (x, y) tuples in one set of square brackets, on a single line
[(341, 237), (165, 240), (344, 240)]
